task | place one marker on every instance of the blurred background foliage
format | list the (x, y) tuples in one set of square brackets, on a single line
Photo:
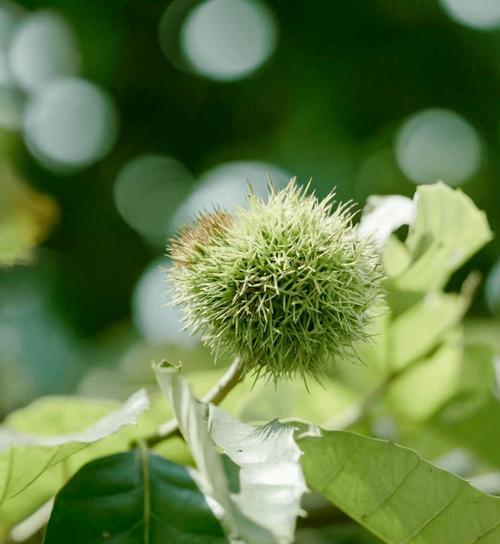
[(120, 120)]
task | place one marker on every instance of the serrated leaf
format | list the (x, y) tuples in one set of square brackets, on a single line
[(448, 229), (133, 497), (240, 513), (25, 457), (397, 495)]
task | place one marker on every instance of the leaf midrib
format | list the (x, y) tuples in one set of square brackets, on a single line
[(144, 457)]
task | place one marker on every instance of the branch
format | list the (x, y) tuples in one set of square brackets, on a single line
[(358, 412), (216, 395)]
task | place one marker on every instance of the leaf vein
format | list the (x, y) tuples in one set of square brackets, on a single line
[(393, 491), (336, 473), (9, 474), (486, 533), (146, 491), (434, 516)]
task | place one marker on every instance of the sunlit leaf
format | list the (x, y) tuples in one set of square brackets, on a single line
[(420, 329), (453, 368), (62, 415), (428, 384), (24, 457), (137, 497), (345, 533), (397, 495), (270, 482), (317, 403), (448, 229), (484, 331), (383, 215), (395, 257)]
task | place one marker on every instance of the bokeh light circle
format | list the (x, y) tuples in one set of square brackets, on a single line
[(226, 187), (147, 191), (228, 39), (43, 49), (479, 14), (492, 289), (10, 15), (438, 144), (69, 124), (154, 319)]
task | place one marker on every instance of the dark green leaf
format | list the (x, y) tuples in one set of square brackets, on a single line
[(132, 497)]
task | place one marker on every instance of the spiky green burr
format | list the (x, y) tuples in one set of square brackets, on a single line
[(285, 284)]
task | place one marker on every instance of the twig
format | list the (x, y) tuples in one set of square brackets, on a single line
[(216, 395), (356, 413)]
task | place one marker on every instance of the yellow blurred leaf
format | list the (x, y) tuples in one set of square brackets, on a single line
[(26, 217)]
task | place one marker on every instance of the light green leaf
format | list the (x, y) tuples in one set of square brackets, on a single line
[(345, 533), (213, 480), (63, 415), (24, 457), (245, 514), (428, 384), (132, 497), (484, 331), (317, 403), (395, 494), (453, 368), (448, 229), (417, 331), (395, 257)]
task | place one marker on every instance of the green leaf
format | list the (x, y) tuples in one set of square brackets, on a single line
[(395, 494), (346, 533), (395, 257), (453, 368), (448, 229), (319, 402), (414, 333), (25, 457), (484, 331), (62, 415), (474, 429), (132, 497), (270, 481), (428, 384)]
